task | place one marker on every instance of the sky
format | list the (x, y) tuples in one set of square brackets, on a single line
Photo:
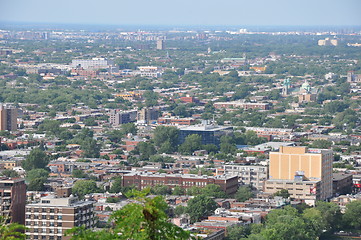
[(185, 12)]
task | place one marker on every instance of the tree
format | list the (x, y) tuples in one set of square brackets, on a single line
[(83, 187), (36, 159), (112, 200), (178, 190), (352, 216), (179, 210), (10, 173), (116, 185), (237, 232), (143, 219), (228, 145), (160, 190), (145, 149), (243, 193), (37, 173), (90, 147), (199, 207), (213, 190), (11, 231), (282, 193), (192, 143), (129, 128), (166, 138), (331, 214), (323, 144), (78, 173), (36, 185)]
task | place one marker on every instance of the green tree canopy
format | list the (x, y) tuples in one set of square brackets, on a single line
[(192, 143), (36, 159), (200, 206), (83, 187), (243, 193)]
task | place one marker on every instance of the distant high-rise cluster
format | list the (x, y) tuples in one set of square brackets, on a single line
[(328, 42), (8, 118)]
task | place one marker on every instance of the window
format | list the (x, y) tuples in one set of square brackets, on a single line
[(43, 216), (60, 217), (51, 210)]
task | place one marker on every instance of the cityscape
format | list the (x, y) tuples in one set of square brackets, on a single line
[(174, 127)]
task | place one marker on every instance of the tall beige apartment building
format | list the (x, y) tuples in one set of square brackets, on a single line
[(8, 118), (305, 172)]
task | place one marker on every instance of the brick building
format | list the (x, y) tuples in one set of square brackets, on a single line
[(13, 199), (229, 184)]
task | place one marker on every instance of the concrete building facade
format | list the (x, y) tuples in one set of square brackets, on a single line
[(52, 216), (8, 118), (300, 164)]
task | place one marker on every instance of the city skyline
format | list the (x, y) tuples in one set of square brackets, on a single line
[(160, 12)]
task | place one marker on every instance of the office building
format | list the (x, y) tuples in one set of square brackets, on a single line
[(302, 169), (52, 216), (160, 44), (229, 184), (94, 63), (353, 78), (8, 118), (211, 134), (13, 199), (122, 117), (147, 115), (252, 175)]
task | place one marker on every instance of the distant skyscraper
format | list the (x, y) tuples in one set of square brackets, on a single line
[(160, 44), (8, 118)]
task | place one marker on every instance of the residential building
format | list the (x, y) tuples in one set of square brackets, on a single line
[(13, 199), (252, 175), (211, 134), (300, 166), (8, 118), (342, 183), (52, 216), (229, 184), (242, 104)]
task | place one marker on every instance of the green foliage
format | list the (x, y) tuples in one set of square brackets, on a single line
[(192, 143), (78, 173), (83, 187), (9, 173), (243, 193), (282, 193), (129, 128), (36, 159), (237, 232), (352, 216), (178, 191), (144, 219), (116, 186), (112, 200), (331, 214), (90, 147), (36, 185), (37, 173), (200, 206), (213, 190), (323, 144), (160, 190), (11, 231), (179, 210), (166, 139), (228, 145), (145, 150)]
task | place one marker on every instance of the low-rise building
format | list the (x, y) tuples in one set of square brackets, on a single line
[(229, 184)]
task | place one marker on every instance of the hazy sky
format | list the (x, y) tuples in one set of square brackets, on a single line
[(184, 12)]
